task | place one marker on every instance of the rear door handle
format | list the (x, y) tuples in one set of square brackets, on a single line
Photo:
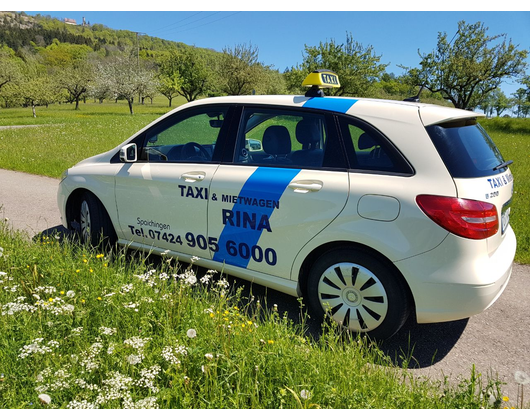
[(305, 186)]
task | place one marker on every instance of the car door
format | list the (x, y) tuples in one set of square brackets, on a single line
[(281, 189), (162, 199)]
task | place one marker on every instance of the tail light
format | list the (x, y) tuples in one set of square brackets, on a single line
[(467, 218)]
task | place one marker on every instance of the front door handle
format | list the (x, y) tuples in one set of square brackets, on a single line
[(193, 176), (305, 186)]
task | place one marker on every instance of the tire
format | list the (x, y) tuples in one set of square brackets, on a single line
[(95, 227), (359, 292)]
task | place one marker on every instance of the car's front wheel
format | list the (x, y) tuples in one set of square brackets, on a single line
[(359, 292), (95, 227)]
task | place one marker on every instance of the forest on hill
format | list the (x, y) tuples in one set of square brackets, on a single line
[(18, 30)]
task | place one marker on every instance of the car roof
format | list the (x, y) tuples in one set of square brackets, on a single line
[(381, 108)]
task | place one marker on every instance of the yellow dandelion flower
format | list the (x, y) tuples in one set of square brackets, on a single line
[(270, 341), (91, 270), (505, 399), (211, 315), (99, 297), (99, 256), (85, 260), (82, 300), (62, 292), (50, 299), (78, 270)]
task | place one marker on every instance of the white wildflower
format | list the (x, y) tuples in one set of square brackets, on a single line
[(36, 347), (107, 331), (127, 288), (172, 354), (191, 333), (134, 359), (209, 356), (305, 394), (70, 294)]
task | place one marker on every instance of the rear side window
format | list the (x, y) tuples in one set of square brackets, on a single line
[(466, 149), (369, 151)]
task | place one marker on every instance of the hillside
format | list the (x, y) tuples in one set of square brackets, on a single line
[(18, 30)]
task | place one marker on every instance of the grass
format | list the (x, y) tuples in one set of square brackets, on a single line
[(83, 329), (113, 331), (512, 137), (64, 136)]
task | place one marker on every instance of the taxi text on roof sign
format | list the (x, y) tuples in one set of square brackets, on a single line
[(320, 79)]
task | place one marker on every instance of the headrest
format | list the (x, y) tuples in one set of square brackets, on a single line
[(276, 140), (307, 131), (366, 142)]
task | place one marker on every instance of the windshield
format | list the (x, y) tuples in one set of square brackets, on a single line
[(466, 149)]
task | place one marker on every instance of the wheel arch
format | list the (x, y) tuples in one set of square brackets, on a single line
[(323, 249), (73, 204)]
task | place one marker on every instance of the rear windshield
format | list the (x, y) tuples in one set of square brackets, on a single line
[(466, 149)]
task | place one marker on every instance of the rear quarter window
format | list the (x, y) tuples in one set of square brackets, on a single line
[(466, 149)]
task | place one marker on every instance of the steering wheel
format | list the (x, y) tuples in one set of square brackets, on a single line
[(193, 151)]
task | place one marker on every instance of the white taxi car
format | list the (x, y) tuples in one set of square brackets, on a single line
[(370, 209)]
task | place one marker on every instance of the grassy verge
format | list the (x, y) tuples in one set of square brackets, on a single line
[(81, 329)]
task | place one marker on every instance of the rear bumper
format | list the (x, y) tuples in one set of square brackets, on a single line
[(458, 279)]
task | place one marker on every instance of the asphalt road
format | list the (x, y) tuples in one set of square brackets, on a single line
[(497, 341)]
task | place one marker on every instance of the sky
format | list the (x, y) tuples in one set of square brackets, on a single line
[(281, 30)]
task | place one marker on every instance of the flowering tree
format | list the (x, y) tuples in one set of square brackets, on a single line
[(123, 78)]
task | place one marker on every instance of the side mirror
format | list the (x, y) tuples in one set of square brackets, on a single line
[(128, 154)]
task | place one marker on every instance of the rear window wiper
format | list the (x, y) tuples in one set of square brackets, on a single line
[(503, 165)]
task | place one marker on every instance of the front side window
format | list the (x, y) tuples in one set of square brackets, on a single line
[(188, 136), (282, 138)]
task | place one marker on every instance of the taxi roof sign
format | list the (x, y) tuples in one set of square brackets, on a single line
[(320, 79)]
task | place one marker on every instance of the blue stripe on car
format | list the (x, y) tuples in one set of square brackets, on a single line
[(263, 184), (330, 104)]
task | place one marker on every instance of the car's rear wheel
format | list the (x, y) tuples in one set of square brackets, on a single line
[(95, 226), (359, 292)]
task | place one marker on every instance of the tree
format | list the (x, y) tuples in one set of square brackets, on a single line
[(465, 68), (500, 101), (34, 86), (185, 72), (75, 79), (36, 89), (239, 70), (521, 102), (122, 77), (168, 86), (358, 67), (9, 67)]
